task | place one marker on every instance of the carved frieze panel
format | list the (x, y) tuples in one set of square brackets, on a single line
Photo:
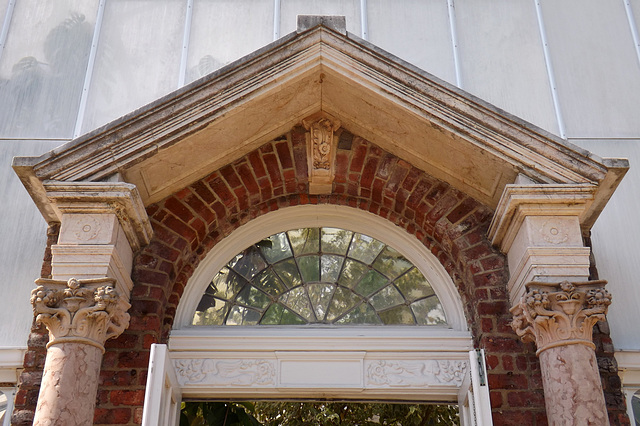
[(245, 372), (384, 373)]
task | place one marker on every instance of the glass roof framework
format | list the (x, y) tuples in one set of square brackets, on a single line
[(319, 276)]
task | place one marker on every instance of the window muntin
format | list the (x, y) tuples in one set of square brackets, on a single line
[(319, 276)]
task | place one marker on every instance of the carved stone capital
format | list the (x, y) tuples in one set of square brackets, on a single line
[(84, 311), (560, 314), (321, 151)]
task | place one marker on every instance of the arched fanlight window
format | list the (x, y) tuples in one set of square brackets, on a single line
[(319, 276)]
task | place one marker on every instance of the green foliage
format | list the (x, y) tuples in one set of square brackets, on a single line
[(218, 414), (316, 414)]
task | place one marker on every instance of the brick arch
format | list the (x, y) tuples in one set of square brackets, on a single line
[(449, 223)]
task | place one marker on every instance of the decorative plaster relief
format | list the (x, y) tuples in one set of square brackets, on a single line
[(321, 150), (560, 314), (415, 373), (553, 233), (84, 311), (258, 372)]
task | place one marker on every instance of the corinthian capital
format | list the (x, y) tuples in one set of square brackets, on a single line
[(85, 311), (560, 314)]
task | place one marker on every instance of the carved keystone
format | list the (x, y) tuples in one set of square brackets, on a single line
[(82, 311), (560, 314), (321, 151)]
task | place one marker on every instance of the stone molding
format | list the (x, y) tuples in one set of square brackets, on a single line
[(82, 311), (519, 201), (321, 151), (560, 314), (118, 198)]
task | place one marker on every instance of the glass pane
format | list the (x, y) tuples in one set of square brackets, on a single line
[(253, 297), (275, 248), (3, 401), (370, 283), (400, 315), (391, 263), (428, 311), (43, 66), (343, 300), (386, 298), (416, 31), (320, 295), (291, 8), (138, 57), (248, 264), (298, 301), (335, 240), (331, 266), (351, 273), (318, 288), (305, 240), (240, 315), (363, 314), (502, 59), (279, 315), (269, 282), (226, 284), (413, 285), (288, 272), (365, 248), (310, 268), (601, 100), (213, 315), (225, 30)]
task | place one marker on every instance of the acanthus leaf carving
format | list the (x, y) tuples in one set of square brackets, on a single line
[(560, 314), (87, 311)]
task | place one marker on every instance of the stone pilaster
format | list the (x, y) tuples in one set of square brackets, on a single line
[(559, 318), (80, 316), (103, 224)]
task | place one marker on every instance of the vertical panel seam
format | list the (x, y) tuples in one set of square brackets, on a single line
[(633, 28), (364, 19), (5, 25), (276, 19), (84, 96), (186, 38), (550, 72), (454, 41)]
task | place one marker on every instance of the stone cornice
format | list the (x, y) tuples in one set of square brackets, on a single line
[(119, 198), (560, 314), (85, 311), (519, 201), (343, 59)]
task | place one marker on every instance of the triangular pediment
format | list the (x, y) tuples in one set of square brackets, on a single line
[(438, 128)]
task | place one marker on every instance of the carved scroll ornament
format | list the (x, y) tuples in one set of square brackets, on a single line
[(415, 373), (321, 149), (84, 311), (561, 314)]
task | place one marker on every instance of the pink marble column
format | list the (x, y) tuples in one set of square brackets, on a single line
[(559, 318), (80, 316)]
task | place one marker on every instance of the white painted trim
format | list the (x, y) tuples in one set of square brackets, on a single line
[(633, 28), (316, 216), (11, 362), (629, 368), (163, 393), (10, 393), (186, 36), (276, 19), (480, 388), (432, 340), (4, 30), (364, 19)]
